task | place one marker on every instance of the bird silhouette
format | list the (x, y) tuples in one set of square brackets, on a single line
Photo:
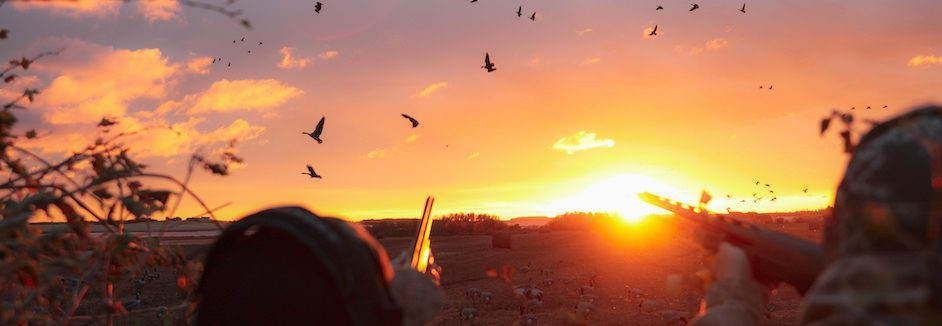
[(316, 134), (868, 107), (415, 123), (488, 65), (761, 87), (757, 183), (214, 60), (243, 39), (317, 7), (259, 43), (767, 185), (853, 108), (659, 8), (533, 16), (694, 6), (250, 51), (233, 41), (805, 190), (743, 9), (473, 1), (310, 172), (653, 31), (520, 11), (229, 64), (885, 106), (770, 87)]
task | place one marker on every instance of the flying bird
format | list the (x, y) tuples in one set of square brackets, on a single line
[(659, 8), (243, 39), (214, 60), (533, 16), (653, 31), (885, 106), (229, 64), (868, 107), (473, 1), (316, 134), (415, 123), (317, 7), (743, 9), (259, 43), (770, 87), (233, 41), (767, 185), (487, 63), (694, 6), (310, 172), (520, 11), (805, 190)]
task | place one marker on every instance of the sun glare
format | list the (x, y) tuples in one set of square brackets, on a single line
[(618, 194)]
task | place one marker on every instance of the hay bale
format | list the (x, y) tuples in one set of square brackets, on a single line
[(500, 239)]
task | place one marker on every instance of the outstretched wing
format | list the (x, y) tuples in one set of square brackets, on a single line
[(415, 123), (310, 170), (320, 127), (487, 59)]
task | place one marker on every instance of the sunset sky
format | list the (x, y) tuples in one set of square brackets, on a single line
[(583, 111)]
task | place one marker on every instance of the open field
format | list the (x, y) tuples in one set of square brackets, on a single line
[(638, 257)]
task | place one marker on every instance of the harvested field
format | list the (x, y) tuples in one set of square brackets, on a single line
[(621, 264)]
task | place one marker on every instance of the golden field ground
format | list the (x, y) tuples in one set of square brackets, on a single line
[(621, 258)]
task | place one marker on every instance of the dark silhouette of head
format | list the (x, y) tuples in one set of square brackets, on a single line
[(291, 266), (887, 201)]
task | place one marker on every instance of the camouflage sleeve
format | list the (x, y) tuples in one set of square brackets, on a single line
[(735, 298), (888, 289)]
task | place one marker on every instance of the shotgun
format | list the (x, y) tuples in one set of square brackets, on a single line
[(775, 257)]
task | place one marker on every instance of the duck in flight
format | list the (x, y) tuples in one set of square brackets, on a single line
[(533, 16), (316, 134), (310, 172), (520, 11), (317, 7), (488, 65), (743, 9), (659, 8), (653, 31), (694, 6), (415, 123)]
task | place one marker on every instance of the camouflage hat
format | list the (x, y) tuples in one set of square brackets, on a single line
[(887, 201)]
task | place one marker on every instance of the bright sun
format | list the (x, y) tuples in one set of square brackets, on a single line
[(616, 194)]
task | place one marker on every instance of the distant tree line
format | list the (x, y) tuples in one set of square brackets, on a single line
[(579, 221), (451, 224)]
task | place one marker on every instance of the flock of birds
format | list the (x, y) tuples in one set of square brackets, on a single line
[(319, 129), (693, 6)]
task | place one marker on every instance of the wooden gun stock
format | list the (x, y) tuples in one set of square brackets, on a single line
[(775, 257)]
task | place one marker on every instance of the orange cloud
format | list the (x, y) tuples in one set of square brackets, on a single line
[(73, 8), (428, 90), (593, 60), (158, 10), (235, 95), (328, 55), (925, 60), (581, 141), (199, 66), (159, 139), (585, 31), (96, 81), (376, 154), (714, 44), (289, 62)]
